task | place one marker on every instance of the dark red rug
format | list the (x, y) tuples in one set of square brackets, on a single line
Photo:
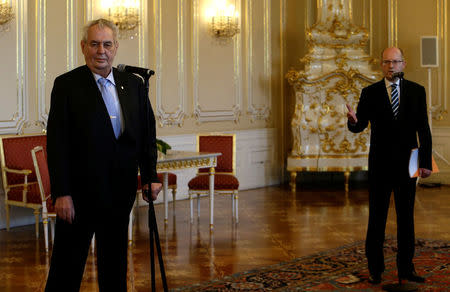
[(343, 268)]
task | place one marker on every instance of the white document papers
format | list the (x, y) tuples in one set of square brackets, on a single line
[(414, 163)]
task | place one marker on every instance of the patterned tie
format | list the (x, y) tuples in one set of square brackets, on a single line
[(112, 105), (394, 98)]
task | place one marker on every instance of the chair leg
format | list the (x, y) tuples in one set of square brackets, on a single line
[(191, 204), (236, 200), (45, 221), (130, 226), (36, 224), (198, 205), (7, 216), (174, 196), (233, 211)]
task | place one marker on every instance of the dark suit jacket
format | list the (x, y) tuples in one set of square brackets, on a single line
[(85, 159), (391, 140)]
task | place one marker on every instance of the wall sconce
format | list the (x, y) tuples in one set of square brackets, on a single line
[(124, 14), (6, 12), (224, 19)]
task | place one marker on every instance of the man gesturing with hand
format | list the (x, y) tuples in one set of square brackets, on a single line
[(397, 111)]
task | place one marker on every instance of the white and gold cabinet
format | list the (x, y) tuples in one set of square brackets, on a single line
[(336, 69)]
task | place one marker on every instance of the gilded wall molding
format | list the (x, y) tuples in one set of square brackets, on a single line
[(143, 33), (89, 11), (392, 23), (176, 116), (259, 111), (282, 81), (71, 26), (19, 118), (210, 115), (442, 34), (308, 14), (41, 60), (368, 22)]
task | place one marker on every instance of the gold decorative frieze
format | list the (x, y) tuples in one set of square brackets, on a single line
[(191, 163)]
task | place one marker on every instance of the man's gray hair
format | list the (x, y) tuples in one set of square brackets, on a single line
[(102, 23)]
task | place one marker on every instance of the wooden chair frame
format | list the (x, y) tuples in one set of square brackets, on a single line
[(7, 187), (46, 216), (233, 193)]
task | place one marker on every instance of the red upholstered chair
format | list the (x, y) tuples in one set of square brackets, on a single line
[(225, 181), (48, 210), (19, 178)]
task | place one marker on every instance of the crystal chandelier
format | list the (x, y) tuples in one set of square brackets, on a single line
[(6, 12), (125, 15)]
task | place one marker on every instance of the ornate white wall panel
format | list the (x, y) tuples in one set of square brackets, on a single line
[(13, 71), (210, 58), (14, 99), (53, 60), (259, 72), (41, 78), (170, 47)]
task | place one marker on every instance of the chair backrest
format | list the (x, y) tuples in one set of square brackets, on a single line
[(15, 154), (223, 143), (42, 175)]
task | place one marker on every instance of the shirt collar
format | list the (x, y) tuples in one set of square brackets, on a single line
[(389, 83), (110, 77)]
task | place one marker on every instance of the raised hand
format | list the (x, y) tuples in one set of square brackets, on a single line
[(351, 115)]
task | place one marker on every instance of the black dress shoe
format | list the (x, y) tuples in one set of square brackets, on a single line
[(375, 279), (413, 277)]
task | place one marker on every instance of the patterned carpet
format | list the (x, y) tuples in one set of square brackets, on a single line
[(343, 268)]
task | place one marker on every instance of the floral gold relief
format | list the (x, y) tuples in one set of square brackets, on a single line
[(336, 69)]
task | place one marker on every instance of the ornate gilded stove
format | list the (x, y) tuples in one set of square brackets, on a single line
[(336, 69)]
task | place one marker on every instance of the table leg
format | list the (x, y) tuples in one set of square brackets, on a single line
[(165, 192), (211, 197), (347, 178), (293, 182)]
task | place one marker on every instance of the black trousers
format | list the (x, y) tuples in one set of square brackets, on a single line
[(71, 248), (404, 189)]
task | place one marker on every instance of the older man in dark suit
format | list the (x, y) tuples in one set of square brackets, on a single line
[(397, 111), (101, 131)]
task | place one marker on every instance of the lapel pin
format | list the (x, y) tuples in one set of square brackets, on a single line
[(121, 87)]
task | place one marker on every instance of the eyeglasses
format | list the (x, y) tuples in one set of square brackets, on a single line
[(393, 62), (106, 45)]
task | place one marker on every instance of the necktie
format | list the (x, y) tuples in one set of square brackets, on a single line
[(112, 105), (394, 99)]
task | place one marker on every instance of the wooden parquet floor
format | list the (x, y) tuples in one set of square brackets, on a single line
[(274, 225)]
